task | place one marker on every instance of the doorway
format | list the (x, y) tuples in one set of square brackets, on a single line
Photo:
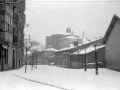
[(13, 59)]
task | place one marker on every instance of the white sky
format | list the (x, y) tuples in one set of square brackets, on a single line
[(48, 17)]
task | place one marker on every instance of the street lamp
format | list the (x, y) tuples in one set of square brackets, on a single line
[(26, 53), (26, 25)]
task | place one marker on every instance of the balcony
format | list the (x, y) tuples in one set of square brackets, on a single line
[(15, 39), (6, 36), (6, 8)]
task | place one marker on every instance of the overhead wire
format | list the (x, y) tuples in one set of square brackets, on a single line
[(108, 6), (62, 19), (69, 15)]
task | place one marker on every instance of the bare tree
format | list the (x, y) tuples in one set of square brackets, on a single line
[(28, 46), (34, 52)]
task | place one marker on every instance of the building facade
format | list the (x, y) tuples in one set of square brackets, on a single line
[(69, 40), (112, 42), (59, 41), (12, 20), (53, 40)]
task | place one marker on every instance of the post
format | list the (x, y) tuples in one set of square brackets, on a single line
[(49, 54), (85, 67), (96, 64), (32, 62), (26, 62), (82, 60), (36, 60), (2, 60)]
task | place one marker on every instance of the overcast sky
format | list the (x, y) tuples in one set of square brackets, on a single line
[(48, 17)]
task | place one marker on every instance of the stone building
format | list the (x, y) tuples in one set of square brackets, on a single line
[(69, 40), (53, 40), (12, 21), (58, 41)]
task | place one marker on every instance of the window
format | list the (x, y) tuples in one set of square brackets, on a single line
[(3, 55), (6, 56), (9, 27), (8, 23), (13, 31), (0, 54), (6, 26)]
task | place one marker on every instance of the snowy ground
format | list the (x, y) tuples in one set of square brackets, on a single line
[(56, 78)]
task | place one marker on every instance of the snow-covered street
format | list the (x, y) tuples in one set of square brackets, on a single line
[(56, 78)]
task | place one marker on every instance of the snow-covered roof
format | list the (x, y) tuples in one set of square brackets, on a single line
[(50, 49), (71, 45), (85, 41), (62, 34), (87, 50), (66, 48), (70, 37)]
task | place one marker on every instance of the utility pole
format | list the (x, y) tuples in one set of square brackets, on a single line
[(96, 64), (32, 61), (85, 67), (26, 62)]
